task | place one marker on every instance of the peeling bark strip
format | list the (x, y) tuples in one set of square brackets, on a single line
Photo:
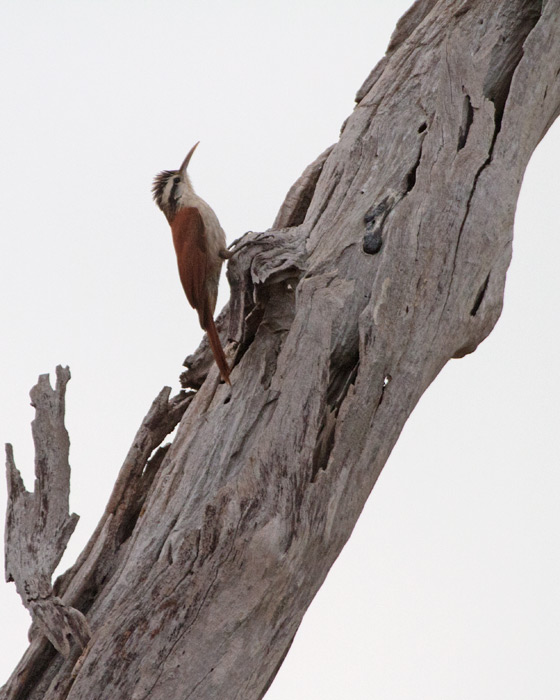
[(38, 525), (262, 486)]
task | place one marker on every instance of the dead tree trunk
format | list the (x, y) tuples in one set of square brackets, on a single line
[(387, 259)]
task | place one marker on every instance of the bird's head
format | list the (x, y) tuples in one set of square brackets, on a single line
[(170, 186)]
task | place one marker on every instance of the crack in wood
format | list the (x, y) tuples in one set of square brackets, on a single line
[(326, 200), (480, 296), (411, 176), (508, 52), (468, 115)]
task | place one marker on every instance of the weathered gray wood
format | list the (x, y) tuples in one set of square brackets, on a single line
[(38, 524), (333, 346), (100, 557)]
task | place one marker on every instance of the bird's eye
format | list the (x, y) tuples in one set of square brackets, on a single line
[(176, 180)]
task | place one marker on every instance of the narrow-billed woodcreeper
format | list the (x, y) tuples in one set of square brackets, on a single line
[(200, 245)]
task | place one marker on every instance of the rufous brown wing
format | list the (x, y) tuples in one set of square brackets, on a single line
[(189, 240)]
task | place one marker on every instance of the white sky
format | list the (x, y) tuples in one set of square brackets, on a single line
[(449, 586)]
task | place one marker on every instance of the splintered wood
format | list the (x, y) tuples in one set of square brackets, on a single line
[(38, 524)]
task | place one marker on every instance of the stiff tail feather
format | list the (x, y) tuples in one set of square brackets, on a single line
[(216, 347)]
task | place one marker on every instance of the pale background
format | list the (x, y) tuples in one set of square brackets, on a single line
[(449, 587)]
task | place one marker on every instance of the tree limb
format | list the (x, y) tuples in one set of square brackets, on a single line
[(38, 525)]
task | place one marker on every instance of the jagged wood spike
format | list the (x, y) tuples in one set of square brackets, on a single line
[(38, 524)]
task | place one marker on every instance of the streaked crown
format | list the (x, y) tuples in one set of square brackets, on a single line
[(166, 188)]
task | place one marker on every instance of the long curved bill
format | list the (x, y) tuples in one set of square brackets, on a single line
[(185, 163)]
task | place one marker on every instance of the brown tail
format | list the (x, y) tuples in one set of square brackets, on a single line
[(216, 347)]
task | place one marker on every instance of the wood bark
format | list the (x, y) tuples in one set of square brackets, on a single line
[(387, 259)]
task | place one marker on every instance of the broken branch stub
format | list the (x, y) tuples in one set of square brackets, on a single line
[(38, 524)]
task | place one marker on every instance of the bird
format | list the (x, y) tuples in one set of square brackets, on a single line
[(200, 246)]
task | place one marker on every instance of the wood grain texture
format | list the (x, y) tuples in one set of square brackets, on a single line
[(265, 480), (38, 524), (78, 586)]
